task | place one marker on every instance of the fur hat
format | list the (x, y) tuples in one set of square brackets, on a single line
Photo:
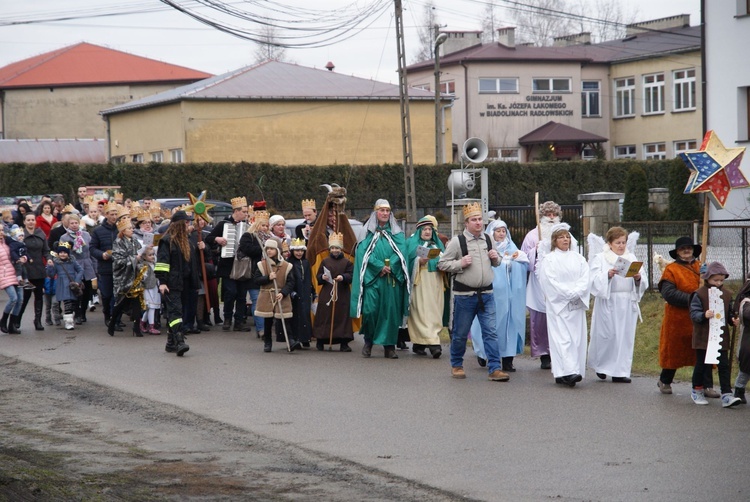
[(682, 242), (715, 268), (271, 243)]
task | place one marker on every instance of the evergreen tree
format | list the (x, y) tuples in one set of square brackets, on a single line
[(635, 206), (681, 206)]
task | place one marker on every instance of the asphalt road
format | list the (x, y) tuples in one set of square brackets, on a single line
[(527, 439)]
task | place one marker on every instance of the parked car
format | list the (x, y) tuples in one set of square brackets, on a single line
[(359, 229)]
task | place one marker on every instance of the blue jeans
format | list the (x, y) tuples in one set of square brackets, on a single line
[(15, 297), (465, 309)]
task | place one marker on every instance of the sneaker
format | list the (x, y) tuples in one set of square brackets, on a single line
[(458, 372), (698, 397), (729, 401), (664, 388), (710, 392), (499, 376)]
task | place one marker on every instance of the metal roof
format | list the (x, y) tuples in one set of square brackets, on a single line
[(274, 80), (80, 151), (554, 132), (88, 64)]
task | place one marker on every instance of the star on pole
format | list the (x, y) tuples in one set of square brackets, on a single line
[(714, 169), (199, 206)]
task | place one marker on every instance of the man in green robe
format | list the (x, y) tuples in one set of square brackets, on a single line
[(380, 287)]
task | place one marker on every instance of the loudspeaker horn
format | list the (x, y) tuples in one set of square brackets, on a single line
[(474, 150)]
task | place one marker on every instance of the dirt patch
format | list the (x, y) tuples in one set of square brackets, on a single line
[(62, 438)]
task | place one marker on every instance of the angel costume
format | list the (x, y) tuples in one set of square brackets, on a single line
[(616, 311), (564, 279), (509, 288)]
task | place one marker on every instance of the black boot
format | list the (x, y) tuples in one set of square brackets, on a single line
[(15, 321), (389, 351), (182, 346), (267, 342), (418, 349), (546, 362), (4, 322), (38, 316), (367, 348), (740, 392), (170, 346), (508, 364), (436, 351), (137, 328), (294, 344)]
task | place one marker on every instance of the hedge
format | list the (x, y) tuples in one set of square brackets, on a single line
[(285, 186)]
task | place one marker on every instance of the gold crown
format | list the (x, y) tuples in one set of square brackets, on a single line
[(89, 199), (308, 204), (63, 245), (239, 202), (140, 214), (111, 206), (284, 245), (472, 210), (298, 244), (122, 211), (262, 216), (336, 239), (123, 224), (118, 196), (69, 209)]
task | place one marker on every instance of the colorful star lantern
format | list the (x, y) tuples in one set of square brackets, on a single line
[(714, 169), (199, 206)]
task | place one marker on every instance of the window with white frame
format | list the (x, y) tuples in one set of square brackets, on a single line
[(654, 151), (550, 85), (157, 156), (498, 85), (625, 152), (683, 146), (625, 97), (590, 95), (653, 94), (588, 153), (175, 156), (684, 90), (448, 87), (503, 154), (137, 158)]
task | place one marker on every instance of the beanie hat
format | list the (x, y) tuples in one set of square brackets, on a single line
[(715, 268)]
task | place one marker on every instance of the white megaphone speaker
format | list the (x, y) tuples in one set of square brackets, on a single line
[(474, 150), (460, 183)]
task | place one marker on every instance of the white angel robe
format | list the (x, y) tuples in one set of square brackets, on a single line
[(564, 279), (615, 315)]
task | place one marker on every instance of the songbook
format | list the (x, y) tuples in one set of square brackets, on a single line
[(148, 239), (715, 325), (429, 253), (327, 273), (627, 268)]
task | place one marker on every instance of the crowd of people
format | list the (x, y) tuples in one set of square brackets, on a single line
[(140, 264)]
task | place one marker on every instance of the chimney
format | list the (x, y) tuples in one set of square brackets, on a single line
[(507, 36), (583, 38), (458, 40), (665, 23)]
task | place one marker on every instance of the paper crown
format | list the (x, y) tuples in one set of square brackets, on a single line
[(308, 204), (262, 216), (336, 239), (69, 209), (284, 245), (473, 209), (89, 199), (123, 224), (63, 246), (118, 196), (298, 244), (122, 211), (239, 202), (111, 206), (140, 214)]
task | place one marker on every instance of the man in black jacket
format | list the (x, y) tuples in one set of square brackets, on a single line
[(102, 240)]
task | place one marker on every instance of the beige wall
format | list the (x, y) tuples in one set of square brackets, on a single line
[(662, 128), (66, 112), (286, 133), (489, 115)]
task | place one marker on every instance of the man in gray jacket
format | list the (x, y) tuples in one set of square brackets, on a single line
[(471, 256)]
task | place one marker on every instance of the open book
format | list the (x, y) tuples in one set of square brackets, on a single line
[(627, 268)]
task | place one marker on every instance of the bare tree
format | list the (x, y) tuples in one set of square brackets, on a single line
[(490, 22), (427, 33), (268, 49), (611, 17), (538, 22)]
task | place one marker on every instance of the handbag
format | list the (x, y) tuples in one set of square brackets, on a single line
[(242, 267), (74, 286)]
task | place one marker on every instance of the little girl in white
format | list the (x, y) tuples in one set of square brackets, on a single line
[(150, 293)]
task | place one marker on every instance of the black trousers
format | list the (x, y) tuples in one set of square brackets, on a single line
[(174, 300), (38, 298), (233, 294), (702, 372)]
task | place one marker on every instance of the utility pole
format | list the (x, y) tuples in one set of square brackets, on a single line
[(410, 190), (439, 39)]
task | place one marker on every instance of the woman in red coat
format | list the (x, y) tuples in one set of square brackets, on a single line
[(45, 220)]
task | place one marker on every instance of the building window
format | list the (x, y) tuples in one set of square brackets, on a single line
[(743, 8), (654, 151), (424, 87), (684, 90), (625, 152), (684, 146), (157, 156), (625, 97), (448, 88), (590, 92), (137, 158), (498, 86), (119, 159), (743, 112), (175, 156), (501, 154), (653, 94), (588, 153), (550, 85)]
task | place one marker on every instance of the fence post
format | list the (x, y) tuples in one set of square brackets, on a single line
[(650, 252)]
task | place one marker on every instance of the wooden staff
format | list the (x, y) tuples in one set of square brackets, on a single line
[(704, 234), (536, 213), (334, 297), (275, 291), (203, 270)]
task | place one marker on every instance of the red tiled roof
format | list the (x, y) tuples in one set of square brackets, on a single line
[(88, 64), (554, 132)]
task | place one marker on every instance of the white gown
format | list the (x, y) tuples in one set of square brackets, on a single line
[(564, 278), (614, 317)]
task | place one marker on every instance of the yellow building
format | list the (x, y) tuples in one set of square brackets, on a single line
[(274, 112)]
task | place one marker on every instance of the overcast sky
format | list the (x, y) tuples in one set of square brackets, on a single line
[(160, 32)]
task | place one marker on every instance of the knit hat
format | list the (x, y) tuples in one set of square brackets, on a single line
[(682, 242), (16, 233), (275, 219), (715, 268)]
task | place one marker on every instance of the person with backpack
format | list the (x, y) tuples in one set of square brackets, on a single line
[(471, 256)]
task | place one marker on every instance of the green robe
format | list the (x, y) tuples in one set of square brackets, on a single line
[(382, 302)]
